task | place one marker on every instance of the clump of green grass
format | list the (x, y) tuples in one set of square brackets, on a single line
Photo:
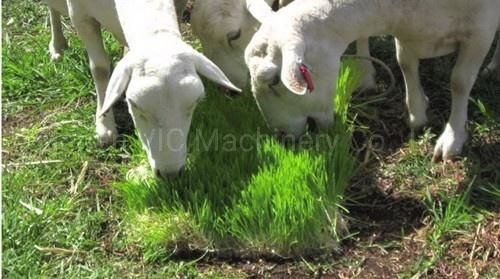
[(243, 190), (450, 215)]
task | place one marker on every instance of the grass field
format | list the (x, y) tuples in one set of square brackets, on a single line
[(72, 210)]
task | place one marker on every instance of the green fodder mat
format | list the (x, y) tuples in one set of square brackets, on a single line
[(244, 194)]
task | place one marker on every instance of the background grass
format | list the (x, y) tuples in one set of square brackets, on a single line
[(61, 217)]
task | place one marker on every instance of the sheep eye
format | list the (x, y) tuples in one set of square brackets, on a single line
[(233, 35), (275, 81)]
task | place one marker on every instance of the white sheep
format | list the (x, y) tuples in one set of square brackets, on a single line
[(58, 41), (225, 28), (88, 16), (316, 33), (159, 77)]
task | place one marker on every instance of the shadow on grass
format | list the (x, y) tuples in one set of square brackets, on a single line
[(381, 216), (485, 174), (386, 203)]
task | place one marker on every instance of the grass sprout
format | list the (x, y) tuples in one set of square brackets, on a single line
[(243, 189)]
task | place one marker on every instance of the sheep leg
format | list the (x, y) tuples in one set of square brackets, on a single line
[(470, 58), (494, 66), (416, 101), (89, 30), (57, 42), (367, 69)]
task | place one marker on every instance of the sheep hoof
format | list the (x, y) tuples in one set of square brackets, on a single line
[(55, 56), (417, 122), (449, 145), (57, 50)]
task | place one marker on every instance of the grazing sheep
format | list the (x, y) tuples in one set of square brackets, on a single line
[(316, 33), (88, 16), (57, 42), (159, 77), (225, 28)]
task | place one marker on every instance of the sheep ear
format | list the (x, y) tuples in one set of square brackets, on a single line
[(208, 69), (117, 85), (259, 9), (294, 74)]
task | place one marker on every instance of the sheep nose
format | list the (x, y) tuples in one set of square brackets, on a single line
[(275, 81), (312, 125), (169, 175)]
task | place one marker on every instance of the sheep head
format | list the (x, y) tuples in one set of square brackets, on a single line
[(162, 91), (291, 81)]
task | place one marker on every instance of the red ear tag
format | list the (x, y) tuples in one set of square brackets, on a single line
[(307, 77)]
